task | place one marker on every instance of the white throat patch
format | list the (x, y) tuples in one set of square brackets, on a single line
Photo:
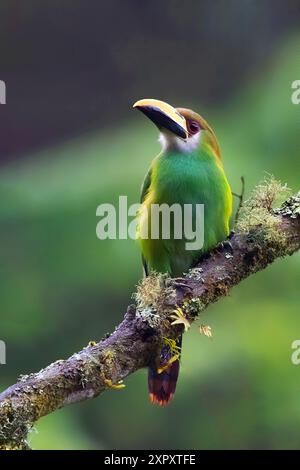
[(170, 141)]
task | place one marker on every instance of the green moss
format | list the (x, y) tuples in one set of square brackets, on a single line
[(193, 307), (257, 215), (152, 292)]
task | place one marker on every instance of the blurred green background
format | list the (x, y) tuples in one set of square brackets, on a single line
[(70, 141)]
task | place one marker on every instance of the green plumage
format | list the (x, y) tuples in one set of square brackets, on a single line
[(195, 178)]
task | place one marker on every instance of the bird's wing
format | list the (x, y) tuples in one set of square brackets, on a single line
[(145, 185), (144, 190)]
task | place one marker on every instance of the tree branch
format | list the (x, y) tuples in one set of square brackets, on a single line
[(136, 342)]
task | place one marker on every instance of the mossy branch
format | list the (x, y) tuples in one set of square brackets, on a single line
[(262, 235)]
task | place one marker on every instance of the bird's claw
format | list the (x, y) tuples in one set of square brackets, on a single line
[(228, 246), (180, 319), (225, 246)]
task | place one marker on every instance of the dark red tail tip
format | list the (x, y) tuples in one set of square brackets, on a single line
[(161, 402)]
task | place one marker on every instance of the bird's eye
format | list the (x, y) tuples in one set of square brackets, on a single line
[(193, 127)]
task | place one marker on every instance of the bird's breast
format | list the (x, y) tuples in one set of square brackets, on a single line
[(179, 179)]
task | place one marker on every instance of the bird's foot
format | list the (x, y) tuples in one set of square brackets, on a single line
[(174, 358), (225, 246), (180, 319), (116, 386), (228, 246)]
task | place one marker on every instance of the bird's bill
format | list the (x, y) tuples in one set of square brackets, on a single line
[(164, 116)]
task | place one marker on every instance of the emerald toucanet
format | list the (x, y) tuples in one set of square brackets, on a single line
[(188, 170)]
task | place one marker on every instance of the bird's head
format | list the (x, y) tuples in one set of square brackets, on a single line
[(180, 129)]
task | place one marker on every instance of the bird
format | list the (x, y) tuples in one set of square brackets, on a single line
[(188, 170)]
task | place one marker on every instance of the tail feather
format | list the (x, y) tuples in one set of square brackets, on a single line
[(162, 386)]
